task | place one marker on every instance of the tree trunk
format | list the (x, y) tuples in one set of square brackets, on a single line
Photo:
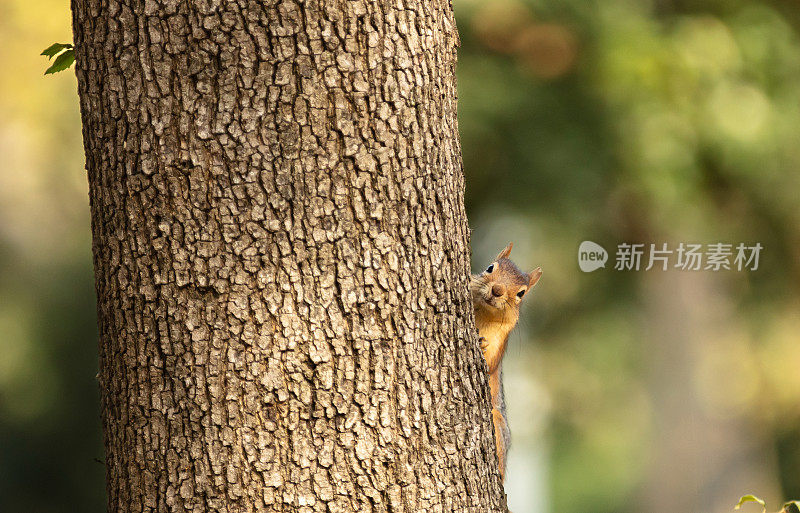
[(698, 447), (281, 258)]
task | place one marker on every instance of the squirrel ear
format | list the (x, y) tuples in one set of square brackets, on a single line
[(505, 252), (533, 277)]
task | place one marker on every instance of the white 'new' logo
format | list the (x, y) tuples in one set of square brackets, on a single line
[(591, 256)]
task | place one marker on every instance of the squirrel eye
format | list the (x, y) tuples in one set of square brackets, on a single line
[(521, 293), (490, 269)]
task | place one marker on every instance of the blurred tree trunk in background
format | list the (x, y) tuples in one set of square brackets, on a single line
[(281, 258), (704, 459)]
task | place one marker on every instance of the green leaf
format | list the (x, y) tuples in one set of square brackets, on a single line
[(791, 507), (751, 498), (55, 48), (62, 62)]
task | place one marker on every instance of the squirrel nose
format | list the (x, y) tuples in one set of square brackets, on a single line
[(498, 290)]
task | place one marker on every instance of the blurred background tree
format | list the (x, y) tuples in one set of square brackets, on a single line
[(612, 121)]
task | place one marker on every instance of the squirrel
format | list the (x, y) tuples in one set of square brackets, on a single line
[(496, 295)]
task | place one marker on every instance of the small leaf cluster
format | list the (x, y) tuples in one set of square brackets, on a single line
[(64, 54), (789, 507)]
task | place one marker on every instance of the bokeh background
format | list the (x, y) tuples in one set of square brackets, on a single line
[(637, 121)]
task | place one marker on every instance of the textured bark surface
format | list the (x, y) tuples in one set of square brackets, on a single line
[(281, 256)]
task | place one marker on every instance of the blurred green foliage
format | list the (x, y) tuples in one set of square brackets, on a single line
[(613, 121), (640, 121), (50, 441)]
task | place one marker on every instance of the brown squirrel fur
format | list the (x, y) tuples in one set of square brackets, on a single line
[(496, 295)]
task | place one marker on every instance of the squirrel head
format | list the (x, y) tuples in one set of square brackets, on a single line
[(498, 291)]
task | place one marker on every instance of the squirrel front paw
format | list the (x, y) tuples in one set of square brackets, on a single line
[(483, 342)]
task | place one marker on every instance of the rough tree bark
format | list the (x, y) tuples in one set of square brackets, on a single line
[(281, 257)]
